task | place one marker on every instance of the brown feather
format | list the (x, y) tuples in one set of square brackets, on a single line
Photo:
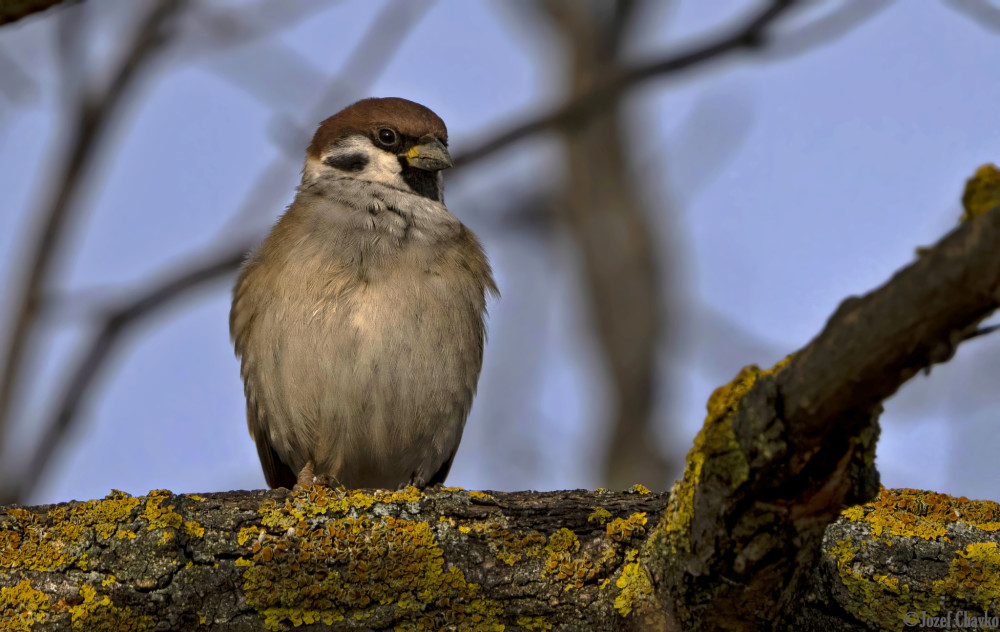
[(369, 115)]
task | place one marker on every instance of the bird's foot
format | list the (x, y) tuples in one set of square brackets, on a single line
[(308, 477), (416, 480)]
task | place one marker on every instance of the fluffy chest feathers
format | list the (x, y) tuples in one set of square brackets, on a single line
[(360, 326)]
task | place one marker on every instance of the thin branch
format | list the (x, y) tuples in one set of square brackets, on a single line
[(361, 69), (13, 11), (753, 34), (832, 26), (982, 12), (115, 325), (870, 346), (93, 117), (982, 331)]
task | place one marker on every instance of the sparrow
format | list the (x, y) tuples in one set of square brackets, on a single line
[(360, 320)]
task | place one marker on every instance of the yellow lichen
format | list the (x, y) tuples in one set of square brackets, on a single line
[(533, 624), (509, 546), (882, 601), (621, 529), (156, 515), (193, 529), (478, 494), (350, 565), (21, 607), (855, 513), (316, 500), (922, 514), (600, 515), (640, 489), (715, 445), (246, 534), (563, 540), (974, 575), (97, 613), (634, 586), (563, 563), (982, 192), (58, 538)]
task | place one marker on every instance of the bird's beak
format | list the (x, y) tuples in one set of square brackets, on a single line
[(429, 155)]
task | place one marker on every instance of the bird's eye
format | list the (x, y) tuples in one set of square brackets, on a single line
[(387, 136)]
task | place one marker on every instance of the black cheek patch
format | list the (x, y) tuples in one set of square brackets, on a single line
[(348, 162), (423, 183)]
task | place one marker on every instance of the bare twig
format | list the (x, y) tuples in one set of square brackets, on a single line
[(361, 69), (14, 11), (114, 325), (753, 34), (982, 331), (827, 28), (982, 12), (16, 85), (93, 116)]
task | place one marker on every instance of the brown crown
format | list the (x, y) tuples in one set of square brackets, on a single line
[(368, 115)]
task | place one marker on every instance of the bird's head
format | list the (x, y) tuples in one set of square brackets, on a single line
[(391, 141)]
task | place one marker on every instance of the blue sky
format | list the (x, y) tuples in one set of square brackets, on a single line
[(778, 185)]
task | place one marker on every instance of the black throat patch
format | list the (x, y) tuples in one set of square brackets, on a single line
[(423, 183)]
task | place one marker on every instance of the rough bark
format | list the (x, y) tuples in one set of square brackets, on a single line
[(783, 451), (271, 560), (323, 559)]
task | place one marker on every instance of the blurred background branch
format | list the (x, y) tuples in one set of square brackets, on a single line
[(220, 259), (14, 10), (90, 117)]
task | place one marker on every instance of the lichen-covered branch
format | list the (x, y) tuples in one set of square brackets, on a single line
[(328, 559), (783, 451), (273, 560)]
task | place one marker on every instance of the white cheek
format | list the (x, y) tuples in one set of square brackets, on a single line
[(383, 167), (313, 169)]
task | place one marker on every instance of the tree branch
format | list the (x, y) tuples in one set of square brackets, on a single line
[(982, 12), (784, 451), (93, 116), (13, 10), (114, 325), (751, 35), (474, 561)]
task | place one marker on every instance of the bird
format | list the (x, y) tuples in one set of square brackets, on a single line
[(360, 320)]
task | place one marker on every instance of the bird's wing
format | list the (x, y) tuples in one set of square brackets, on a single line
[(241, 324), (442, 473), (276, 472)]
